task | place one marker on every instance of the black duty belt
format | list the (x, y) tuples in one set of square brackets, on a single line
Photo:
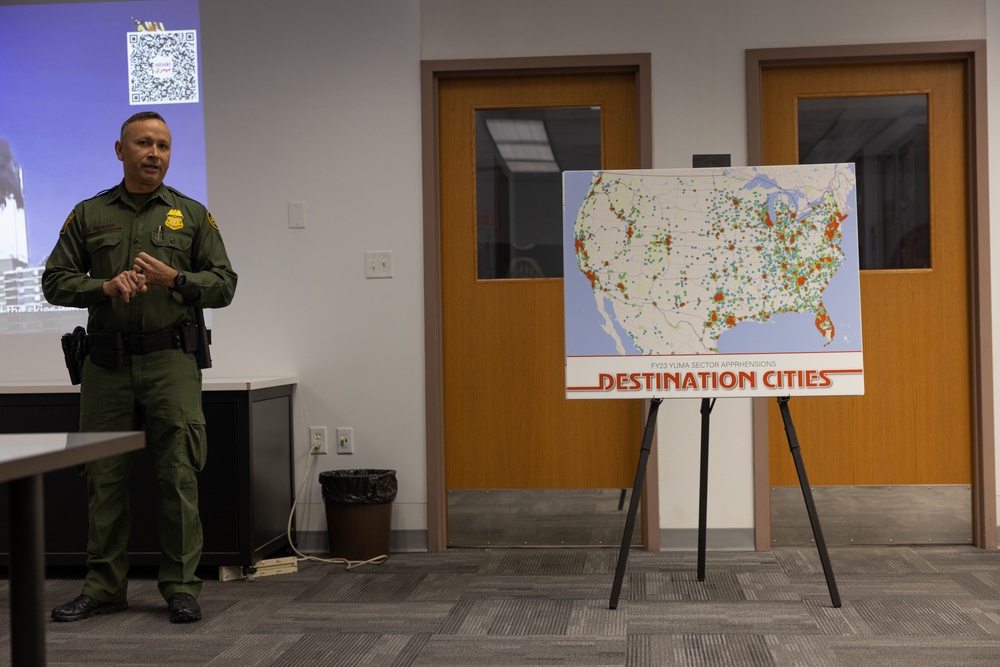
[(109, 348), (185, 337), (154, 342)]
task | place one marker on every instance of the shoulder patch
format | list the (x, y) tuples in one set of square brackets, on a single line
[(175, 219), (72, 214), (211, 221)]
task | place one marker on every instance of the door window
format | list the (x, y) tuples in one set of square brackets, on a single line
[(520, 157), (885, 136)]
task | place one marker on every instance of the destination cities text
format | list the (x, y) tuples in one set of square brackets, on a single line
[(724, 380)]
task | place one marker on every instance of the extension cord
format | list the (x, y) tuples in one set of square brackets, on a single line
[(349, 564), (290, 564)]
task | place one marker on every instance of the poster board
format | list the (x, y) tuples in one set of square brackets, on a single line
[(694, 283)]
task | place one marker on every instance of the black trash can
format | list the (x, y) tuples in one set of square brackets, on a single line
[(358, 511)]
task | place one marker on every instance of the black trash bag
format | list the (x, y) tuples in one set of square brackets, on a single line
[(359, 487)]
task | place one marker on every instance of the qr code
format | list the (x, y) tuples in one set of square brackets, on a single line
[(163, 67)]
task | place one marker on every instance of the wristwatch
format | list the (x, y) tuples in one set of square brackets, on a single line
[(180, 280)]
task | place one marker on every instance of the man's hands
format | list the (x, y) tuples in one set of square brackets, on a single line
[(126, 284), (156, 272), (147, 270)]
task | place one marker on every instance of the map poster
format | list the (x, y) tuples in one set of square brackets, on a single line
[(735, 281)]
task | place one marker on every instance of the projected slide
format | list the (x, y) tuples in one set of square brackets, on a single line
[(739, 281), (70, 75)]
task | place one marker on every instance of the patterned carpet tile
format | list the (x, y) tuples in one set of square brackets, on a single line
[(349, 649), (775, 586), (663, 587), (571, 586), (919, 618), (145, 649), (537, 561), (365, 587), (534, 650), (917, 652), (252, 650), (699, 650), (859, 586), (738, 618), (356, 617), (687, 561), (453, 560), (534, 617), (956, 558), (907, 605)]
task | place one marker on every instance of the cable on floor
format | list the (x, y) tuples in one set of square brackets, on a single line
[(349, 564)]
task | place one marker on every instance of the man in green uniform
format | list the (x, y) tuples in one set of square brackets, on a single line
[(142, 258)]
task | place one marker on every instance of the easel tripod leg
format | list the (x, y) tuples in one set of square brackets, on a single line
[(633, 506), (706, 413), (800, 468)]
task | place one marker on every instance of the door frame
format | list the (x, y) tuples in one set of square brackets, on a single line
[(973, 54), (431, 72)]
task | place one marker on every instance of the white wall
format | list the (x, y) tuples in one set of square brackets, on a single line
[(319, 102)]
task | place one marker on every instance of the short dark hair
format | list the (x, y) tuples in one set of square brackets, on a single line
[(142, 115)]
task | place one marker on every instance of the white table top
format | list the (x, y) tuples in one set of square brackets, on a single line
[(28, 454), (209, 383)]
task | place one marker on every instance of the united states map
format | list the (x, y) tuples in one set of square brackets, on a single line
[(675, 259)]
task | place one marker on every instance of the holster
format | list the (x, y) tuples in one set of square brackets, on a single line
[(203, 354), (74, 347)]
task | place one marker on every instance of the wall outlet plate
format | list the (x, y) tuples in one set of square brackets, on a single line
[(345, 440), (317, 438)]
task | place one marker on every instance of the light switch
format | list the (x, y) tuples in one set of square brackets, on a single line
[(296, 215), (378, 264)]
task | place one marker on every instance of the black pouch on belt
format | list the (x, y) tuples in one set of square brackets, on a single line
[(107, 348), (189, 337)]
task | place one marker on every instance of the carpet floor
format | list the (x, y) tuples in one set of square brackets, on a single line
[(904, 605)]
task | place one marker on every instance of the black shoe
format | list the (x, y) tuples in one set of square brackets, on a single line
[(183, 608), (85, 606)]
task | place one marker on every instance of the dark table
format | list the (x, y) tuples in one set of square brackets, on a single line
[(24, 458), (245, 490)]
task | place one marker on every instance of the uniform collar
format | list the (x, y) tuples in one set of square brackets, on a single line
[(163, 192)]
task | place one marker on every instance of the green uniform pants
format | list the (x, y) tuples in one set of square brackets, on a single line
[(159, 393)]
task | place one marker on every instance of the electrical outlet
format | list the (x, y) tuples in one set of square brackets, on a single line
[(345, 440), (317, 438)]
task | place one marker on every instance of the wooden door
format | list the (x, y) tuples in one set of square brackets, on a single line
[(507, 423), (914, 424)]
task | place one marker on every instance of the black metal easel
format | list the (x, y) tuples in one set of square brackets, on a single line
[(640, 475), (633, 505), (800, 468), (706, 413)]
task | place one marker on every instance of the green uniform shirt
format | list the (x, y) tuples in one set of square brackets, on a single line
[(102, 237)]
